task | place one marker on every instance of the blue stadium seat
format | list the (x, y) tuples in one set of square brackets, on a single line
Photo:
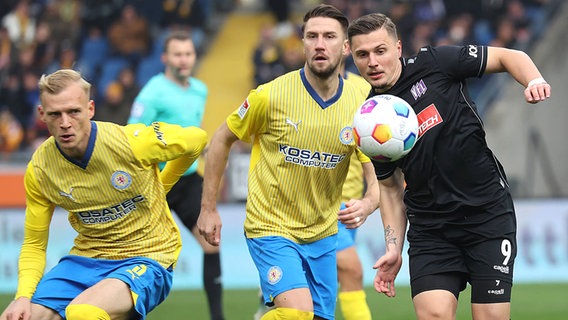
[(110, 68), (147, 68), (92, 53)]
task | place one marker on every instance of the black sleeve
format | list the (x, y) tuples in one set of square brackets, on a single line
[(384, 170), (461, 62)]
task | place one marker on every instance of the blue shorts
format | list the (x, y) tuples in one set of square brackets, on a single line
[(285, 265), (147, 279), (345, 237)]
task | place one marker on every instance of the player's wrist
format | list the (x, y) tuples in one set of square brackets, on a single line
[(539, 80)]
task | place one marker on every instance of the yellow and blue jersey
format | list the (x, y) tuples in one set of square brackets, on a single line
[(163, 100), (115, 195), (301, 147), (354, 185)]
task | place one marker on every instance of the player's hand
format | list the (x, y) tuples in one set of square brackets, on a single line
[(209, 226), (19, 309), (537, 90), (387, 267), (354, 214)]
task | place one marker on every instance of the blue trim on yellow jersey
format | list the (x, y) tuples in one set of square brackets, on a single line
[(314, 94), (88, 153)]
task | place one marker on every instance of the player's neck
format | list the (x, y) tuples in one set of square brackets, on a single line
[(184, 83), (326, 88)]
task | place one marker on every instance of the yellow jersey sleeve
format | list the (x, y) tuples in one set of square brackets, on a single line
[(39, 212), (361, 156), (178, 146), (250, 118)]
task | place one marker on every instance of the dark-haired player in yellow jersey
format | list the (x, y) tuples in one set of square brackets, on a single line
[(300, 128), (106, 176)]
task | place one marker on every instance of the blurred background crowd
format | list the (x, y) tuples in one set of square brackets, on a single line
[(116, 44)]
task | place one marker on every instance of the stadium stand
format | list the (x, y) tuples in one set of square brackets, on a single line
[(231, 32)]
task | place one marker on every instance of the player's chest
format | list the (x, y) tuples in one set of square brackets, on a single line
[(313, 126), (98, 186)]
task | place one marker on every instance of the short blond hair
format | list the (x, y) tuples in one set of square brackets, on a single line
[(57, 81)]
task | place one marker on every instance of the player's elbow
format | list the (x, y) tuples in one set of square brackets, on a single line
[(196, 139)]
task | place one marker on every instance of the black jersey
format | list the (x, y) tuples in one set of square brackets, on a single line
[(450, 165)]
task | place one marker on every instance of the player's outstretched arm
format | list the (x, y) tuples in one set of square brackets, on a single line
[(522, 69), (394, 221), (357, 210), (209, 221)]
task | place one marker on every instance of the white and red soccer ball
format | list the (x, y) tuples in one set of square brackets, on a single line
[(385, 128)]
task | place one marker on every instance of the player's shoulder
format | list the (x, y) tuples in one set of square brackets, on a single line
[(46, 146), (155, 85), (157, 79), (198, 84), (357, 82), (288, 77)]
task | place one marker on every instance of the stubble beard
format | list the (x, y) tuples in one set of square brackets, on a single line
[(324, 73)]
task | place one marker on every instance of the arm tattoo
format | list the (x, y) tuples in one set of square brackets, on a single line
[(389, 236)]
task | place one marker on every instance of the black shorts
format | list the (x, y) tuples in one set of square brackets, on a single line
[(185, 199), (472, 245)]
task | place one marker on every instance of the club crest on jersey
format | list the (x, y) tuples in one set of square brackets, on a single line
[(274, 274), (121, 180), (346, 135)]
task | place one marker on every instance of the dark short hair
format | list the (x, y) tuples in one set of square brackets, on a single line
[(180, 35), (369, 23), (327, 11)]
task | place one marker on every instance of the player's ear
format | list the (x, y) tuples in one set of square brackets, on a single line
[(41, 112), (346, 50), (91, 109)]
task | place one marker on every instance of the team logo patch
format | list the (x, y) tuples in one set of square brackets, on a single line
[(346, 135), (243, 109), (274, 274), (137, 110), (121, 180)]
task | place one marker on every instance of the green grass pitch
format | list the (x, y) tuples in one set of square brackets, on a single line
[(530, 301)]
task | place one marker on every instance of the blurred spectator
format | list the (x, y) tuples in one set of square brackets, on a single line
[(267, 56), (11, 134), (92, 52), (18, 100), (280, 11), (505, 33), (114, 108), (45, 46), (130, 88), (7, 52), (20, 24), (38, 36), (63, 19), (99, 13), (459, 30), (129, 35), (118, 98), (191, 15), (516, 12), (37, 133), (66, 58), (292, 53)]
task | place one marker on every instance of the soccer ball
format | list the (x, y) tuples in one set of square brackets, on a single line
[(385, 128)]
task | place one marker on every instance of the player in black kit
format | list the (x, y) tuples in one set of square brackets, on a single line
[(462, 225)]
